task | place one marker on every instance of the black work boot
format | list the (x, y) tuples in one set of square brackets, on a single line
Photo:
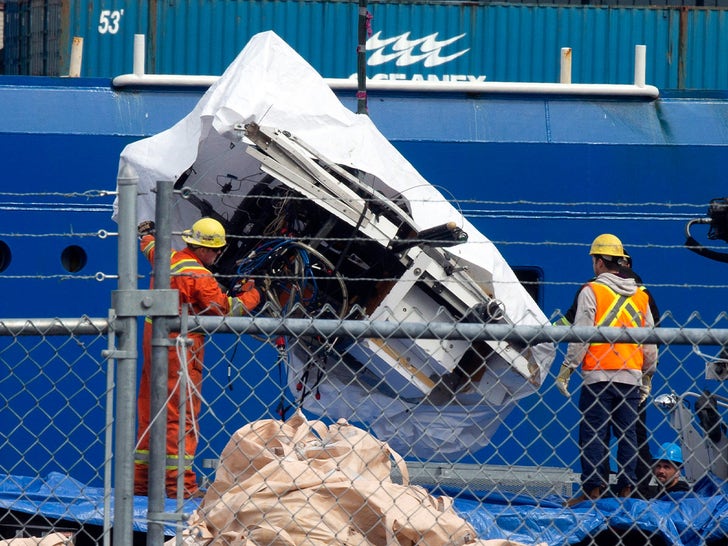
[(626, 491), (593, 494)]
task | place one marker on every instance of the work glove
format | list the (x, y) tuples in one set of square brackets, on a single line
[(645, 388), (562, 380), (249, 295), (145, 228), (247, 286)]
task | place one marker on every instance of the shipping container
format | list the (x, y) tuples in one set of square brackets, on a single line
[(443, 41)]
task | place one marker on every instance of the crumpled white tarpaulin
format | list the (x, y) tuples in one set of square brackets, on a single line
[(271, 85)]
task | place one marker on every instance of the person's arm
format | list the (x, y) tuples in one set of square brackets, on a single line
[(210, 299), (247, 300), (147, 246), (649, 351), (571, 312), (568, 317), (586, 306), (653, 307)]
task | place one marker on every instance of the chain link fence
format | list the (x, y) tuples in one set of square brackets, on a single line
[(57, 423), (486, 449), (56, 418)]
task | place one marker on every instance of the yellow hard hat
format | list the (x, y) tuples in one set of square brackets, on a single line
[(607, 244), (206, 232)]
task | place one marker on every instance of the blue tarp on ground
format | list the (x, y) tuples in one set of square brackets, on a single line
[(61, 497), (693, 519)]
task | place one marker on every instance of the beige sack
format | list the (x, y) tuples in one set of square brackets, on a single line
[(303, 483), (51, 539)]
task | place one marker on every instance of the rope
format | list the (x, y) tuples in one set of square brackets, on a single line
[(191, 389)]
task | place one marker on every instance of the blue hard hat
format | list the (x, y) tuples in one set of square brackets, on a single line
[(670, 452)]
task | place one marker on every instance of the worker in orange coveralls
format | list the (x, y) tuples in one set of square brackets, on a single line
[(200, 291)]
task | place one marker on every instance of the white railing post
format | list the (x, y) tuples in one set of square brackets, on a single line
[(74, 69), (640, 63), (139, 54), (565, 76)]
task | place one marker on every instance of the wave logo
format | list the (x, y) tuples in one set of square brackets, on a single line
[(407, 52)]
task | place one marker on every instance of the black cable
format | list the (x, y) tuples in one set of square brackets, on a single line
[(699, 249)]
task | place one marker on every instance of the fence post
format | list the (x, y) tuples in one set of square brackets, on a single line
[(160, 362), (127, 183)]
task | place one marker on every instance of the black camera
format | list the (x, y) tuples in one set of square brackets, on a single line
[(718, 213), (718, 221)]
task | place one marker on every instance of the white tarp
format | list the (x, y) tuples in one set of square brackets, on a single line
[(271, 85)]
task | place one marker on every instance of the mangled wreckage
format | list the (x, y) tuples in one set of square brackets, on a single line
[(332, 222)]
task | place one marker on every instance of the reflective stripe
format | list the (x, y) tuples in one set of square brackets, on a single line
[(610, 316), (148, 248), (172, 465), (620, 304), (141, 457), (616, 310), (237, 307), (633, 312), (187, 264)]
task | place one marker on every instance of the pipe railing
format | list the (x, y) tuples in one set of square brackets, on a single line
[(638, 89)]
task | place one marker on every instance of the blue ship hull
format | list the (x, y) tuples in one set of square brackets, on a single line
[(539, 175)]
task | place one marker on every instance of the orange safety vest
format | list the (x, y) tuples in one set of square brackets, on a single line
[(618, 311)]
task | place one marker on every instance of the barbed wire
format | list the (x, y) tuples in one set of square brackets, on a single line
[(564, 212), (101, 234), (566, 204), (87, 193), (575, 283), (49, 207), (585, 203), (571, 215), (66, 277)]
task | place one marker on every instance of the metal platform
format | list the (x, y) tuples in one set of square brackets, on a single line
[(535, 481)]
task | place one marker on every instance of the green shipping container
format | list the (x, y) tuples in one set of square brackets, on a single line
[(687, 46)]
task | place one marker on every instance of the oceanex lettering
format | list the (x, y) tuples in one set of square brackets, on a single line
[(428, 51), (426, 78)]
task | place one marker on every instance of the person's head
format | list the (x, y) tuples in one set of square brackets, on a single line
[(626, 261), (206, 238), (606, 252), (666, 465)]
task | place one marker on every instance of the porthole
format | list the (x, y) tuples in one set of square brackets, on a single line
[(73, 258), (5, 256), (532, 280)]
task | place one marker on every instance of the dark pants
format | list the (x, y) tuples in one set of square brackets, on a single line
[(644, 455), (608, 407)]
